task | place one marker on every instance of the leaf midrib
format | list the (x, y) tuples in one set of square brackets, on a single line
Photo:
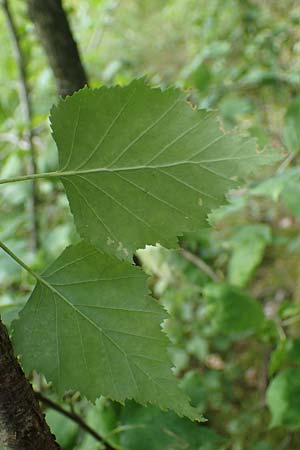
[(149, 167), (68, 173)]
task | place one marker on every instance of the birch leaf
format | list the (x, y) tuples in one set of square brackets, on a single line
[(141, 166), (91, 326)]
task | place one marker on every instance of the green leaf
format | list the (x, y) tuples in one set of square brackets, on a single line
[(151, 429), (233, 107), (232, 310), (65, 431), (285, 187), (290, 197), (89, 325), (261, 446), (287, 352), (283, 399), (291, 129), (260, 134), (274, 186), (140, 166), (103, 416), (249, 244)]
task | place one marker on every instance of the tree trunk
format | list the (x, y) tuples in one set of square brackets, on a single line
[(53, 29), (22, 423)]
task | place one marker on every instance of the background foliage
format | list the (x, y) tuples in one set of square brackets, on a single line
[(233, 292)]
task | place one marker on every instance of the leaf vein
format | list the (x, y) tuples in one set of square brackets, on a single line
[(109, 128), (152, 195), (73, 139), (125, 208), (189, 185), (144, 132), (93, 211)]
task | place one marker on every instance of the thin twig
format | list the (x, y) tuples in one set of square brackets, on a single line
[(27, 110), (75, 418), (286, 162), (200, 264), (290, 320), (285, 443)]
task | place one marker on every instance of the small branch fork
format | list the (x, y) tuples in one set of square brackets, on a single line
[(27, 110)]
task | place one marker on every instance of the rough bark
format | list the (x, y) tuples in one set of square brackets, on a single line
[(54, 32), (22, 423)]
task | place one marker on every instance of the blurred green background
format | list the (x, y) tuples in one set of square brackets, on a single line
[(233, 291)]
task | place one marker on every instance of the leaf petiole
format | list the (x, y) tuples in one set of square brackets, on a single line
[(33, 176), (19, 261)]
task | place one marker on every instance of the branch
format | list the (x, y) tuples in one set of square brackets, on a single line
[(54, 32), (22, 423), (26, 106), (200, 264), (75, 418)]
